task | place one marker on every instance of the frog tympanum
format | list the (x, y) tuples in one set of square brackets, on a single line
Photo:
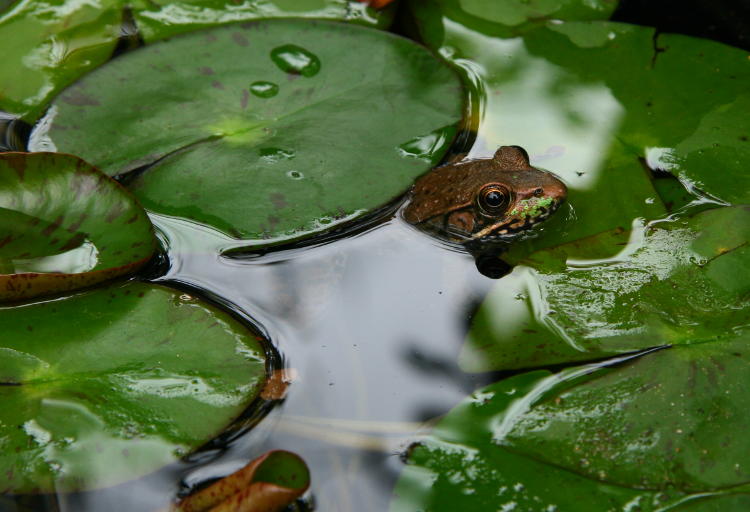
[(489, 199)]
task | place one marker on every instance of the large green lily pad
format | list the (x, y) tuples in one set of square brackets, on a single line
[(658, 432), (107, 385), (273, 131), (65, 225), (48, 44), (680, 282), (599, 102)]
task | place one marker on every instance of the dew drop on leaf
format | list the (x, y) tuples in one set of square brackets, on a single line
[(264, 89), (296, 60)]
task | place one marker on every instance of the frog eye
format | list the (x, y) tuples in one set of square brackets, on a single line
[(493, 199)]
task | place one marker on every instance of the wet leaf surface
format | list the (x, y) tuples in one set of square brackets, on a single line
[(678, 282), (263, 168), (656, 432), (51, 43), (65, 225), (160, 19), (101, 387)]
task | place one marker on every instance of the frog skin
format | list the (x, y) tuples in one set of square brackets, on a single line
[(489, 199)]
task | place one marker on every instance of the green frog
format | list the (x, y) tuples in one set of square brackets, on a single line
[(490, 199)]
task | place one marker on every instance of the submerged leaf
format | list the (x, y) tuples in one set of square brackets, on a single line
[(64, 225), (326, 149), (107, 385), (267, 484)]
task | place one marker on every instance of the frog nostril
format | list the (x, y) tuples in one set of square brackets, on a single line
[(538, 192)]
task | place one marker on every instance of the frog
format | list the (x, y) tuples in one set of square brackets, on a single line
[(497, 199)]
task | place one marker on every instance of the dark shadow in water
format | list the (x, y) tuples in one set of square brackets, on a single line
[(727, 21), (14, 133)]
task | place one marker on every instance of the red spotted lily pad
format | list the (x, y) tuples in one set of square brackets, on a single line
[(107, 385), (65, 225)]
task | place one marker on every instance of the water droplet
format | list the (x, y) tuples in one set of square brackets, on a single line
[(296, 60), (295, 175), (273, 155), (264, 89)]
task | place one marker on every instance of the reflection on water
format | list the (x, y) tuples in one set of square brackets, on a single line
[(563, 122), (77, 260), (372, 326)]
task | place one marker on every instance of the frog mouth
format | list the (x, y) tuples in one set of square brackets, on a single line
[(509, 228)]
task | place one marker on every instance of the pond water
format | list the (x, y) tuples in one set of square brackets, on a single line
[(367, 326)]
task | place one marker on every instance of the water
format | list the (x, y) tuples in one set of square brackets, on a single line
[(369, 327)]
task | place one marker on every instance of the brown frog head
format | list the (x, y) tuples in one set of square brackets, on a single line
[(486, 199)]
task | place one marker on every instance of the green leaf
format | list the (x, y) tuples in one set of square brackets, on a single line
[(502, 19), (517, 12), (674, 102), (657, 432), (107, 385), (51, 43), (260, 168), (64, 225), (678, 282)]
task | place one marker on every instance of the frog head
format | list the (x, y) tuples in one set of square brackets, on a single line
[(491, 199)]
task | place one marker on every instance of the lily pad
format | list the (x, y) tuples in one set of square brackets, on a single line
[(65, 226), (674, 102), (335, 142), (679, 282), (503, 19), (107, 385), (51, 43), (657, 432)]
